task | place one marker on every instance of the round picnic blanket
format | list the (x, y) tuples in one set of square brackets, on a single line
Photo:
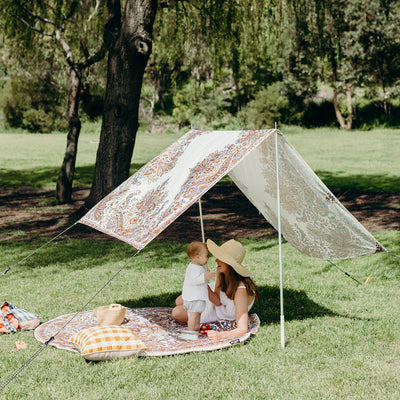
[(154, 326)]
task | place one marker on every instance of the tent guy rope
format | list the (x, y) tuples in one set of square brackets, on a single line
[(39, 248), (346, 273), (30, 359)]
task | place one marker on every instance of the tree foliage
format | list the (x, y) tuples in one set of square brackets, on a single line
[(225, 52), (33, 103), (350, 44), (373, 46), (68, 31), (199, 45)]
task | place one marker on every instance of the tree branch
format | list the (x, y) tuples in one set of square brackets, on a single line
[(17, 17), (38, 17), (96, 9), (67, 50), (83, 40), (93, 59)]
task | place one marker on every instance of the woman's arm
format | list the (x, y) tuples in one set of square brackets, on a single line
[(242, 317), (214, 297)]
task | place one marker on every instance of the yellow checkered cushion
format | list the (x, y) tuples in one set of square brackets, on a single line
[(99, 343)]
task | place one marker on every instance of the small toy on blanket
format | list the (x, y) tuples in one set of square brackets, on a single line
[(204, 328), (194, 335)]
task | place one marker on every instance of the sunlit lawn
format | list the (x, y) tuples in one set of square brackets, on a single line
[(342, 338), (358, 159)]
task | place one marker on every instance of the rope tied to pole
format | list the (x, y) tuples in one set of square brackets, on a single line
[(392, 254)]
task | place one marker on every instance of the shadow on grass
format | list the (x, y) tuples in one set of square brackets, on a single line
[(38, 177), (162, 300), (84, 175), (297, 304), (380, 183)]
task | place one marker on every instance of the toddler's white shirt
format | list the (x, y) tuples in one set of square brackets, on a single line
[(194, 285)]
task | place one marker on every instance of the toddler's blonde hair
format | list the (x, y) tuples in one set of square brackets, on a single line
[(194, 248)]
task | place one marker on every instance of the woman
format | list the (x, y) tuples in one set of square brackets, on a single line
[(232, 294)]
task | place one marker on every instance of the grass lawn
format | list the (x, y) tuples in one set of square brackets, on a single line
[(342, 339), (359, 159)]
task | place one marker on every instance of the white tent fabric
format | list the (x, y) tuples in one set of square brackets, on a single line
[(313, 220)]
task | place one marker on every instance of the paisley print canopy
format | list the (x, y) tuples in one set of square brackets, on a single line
[(312, 219)]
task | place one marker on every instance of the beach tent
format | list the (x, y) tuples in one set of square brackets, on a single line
[(265, 167)]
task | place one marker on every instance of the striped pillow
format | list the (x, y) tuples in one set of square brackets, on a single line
[(99, 343)]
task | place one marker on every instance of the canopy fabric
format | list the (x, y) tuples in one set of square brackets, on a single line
[(150, 200), (313, 220)]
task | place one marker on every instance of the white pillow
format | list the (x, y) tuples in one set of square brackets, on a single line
[(99, 343)]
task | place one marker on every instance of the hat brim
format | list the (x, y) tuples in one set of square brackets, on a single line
[(222, 255)]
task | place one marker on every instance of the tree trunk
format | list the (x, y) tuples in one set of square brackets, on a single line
[(386, 104), (67, 172), (338, 114), (130, 46), (349, 99), (66, 176)]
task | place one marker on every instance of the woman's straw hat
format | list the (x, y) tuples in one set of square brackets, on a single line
[(113, 314), (232, 253)]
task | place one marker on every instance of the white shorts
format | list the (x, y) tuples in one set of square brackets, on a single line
[(194, 305)]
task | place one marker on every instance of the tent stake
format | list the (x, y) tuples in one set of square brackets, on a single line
[(280, 242), (201, 222)]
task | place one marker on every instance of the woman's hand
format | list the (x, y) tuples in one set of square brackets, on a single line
[(214, 335), (214, 297)]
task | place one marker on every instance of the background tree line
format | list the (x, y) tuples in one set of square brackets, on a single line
[(308, 62), (206, 63)]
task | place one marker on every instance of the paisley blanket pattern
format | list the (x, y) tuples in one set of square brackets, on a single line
[(153, 326)]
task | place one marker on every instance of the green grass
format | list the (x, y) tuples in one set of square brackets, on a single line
[(24, 161), (342, 339), (358, 159), (365, 160)]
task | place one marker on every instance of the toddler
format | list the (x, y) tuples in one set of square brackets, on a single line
[(195, 287)]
